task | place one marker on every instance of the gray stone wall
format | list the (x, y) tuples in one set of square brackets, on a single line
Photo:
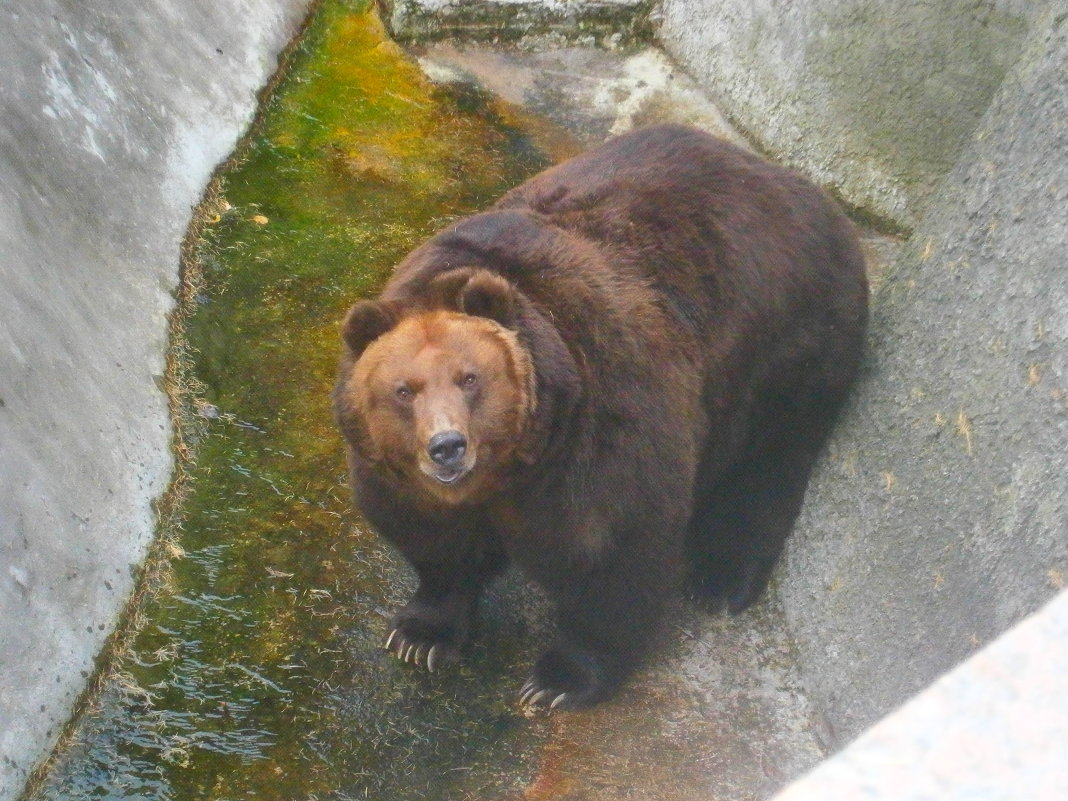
[(112, 118), (940, 517), (875, 100)]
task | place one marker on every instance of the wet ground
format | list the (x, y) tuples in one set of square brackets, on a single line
[(254, 669)]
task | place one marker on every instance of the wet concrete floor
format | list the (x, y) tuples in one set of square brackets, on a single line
[(253, 669)]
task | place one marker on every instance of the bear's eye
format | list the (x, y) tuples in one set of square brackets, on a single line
[(404, 393), (469, 380)]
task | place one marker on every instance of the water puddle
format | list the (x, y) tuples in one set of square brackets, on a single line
[(255, 671)]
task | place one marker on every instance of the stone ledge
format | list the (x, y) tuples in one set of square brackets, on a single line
[(993, 729), (602, 22)]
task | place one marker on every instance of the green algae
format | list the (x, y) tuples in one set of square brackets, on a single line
[(255, 670)]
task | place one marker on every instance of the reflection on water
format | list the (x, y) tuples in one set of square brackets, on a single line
[(256, 671)]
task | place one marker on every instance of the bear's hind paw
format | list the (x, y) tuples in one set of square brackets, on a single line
[(569, 678), (535, 696), (734, 587)]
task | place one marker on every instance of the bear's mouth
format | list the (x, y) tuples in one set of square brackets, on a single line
[(450, 477), (447, 475)]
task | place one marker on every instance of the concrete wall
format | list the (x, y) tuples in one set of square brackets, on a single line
[(875, 99), (940, 516), (112, 117)]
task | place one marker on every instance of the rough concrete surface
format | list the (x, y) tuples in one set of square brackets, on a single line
[(720, 717), (941, 517), (994, 729), (592, 93), (874, 99), (112, 117)]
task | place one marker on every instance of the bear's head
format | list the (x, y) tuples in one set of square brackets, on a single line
[(442, 393)]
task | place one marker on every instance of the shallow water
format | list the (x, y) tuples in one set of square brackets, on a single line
[(255, 670)]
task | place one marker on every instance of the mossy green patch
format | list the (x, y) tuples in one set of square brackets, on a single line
[(256, 671)]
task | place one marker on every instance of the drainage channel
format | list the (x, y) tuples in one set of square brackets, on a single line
[(255, 669)]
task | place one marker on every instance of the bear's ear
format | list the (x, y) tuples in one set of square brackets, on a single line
[(489, 295), (444, 291), (477, 292), (365, 322)]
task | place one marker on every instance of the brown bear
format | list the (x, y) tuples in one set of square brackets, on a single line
[(627, 365)]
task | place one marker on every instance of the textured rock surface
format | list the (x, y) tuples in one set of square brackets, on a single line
[(874, 99), (589, 92), (112, 117), (941, 516)]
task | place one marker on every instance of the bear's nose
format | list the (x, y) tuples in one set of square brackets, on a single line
[(447, 448)]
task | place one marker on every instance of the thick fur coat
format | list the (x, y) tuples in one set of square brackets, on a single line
[(617, 378)]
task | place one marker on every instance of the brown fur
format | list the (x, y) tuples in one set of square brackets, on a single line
[(662, 330)]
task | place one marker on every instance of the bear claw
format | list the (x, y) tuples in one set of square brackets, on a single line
[(534, 695), (430, 655)]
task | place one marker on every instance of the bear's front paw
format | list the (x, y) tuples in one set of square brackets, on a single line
[(419, 651), (430, 634), (567, 680)]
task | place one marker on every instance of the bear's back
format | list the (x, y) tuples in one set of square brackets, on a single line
[(673, 234)]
